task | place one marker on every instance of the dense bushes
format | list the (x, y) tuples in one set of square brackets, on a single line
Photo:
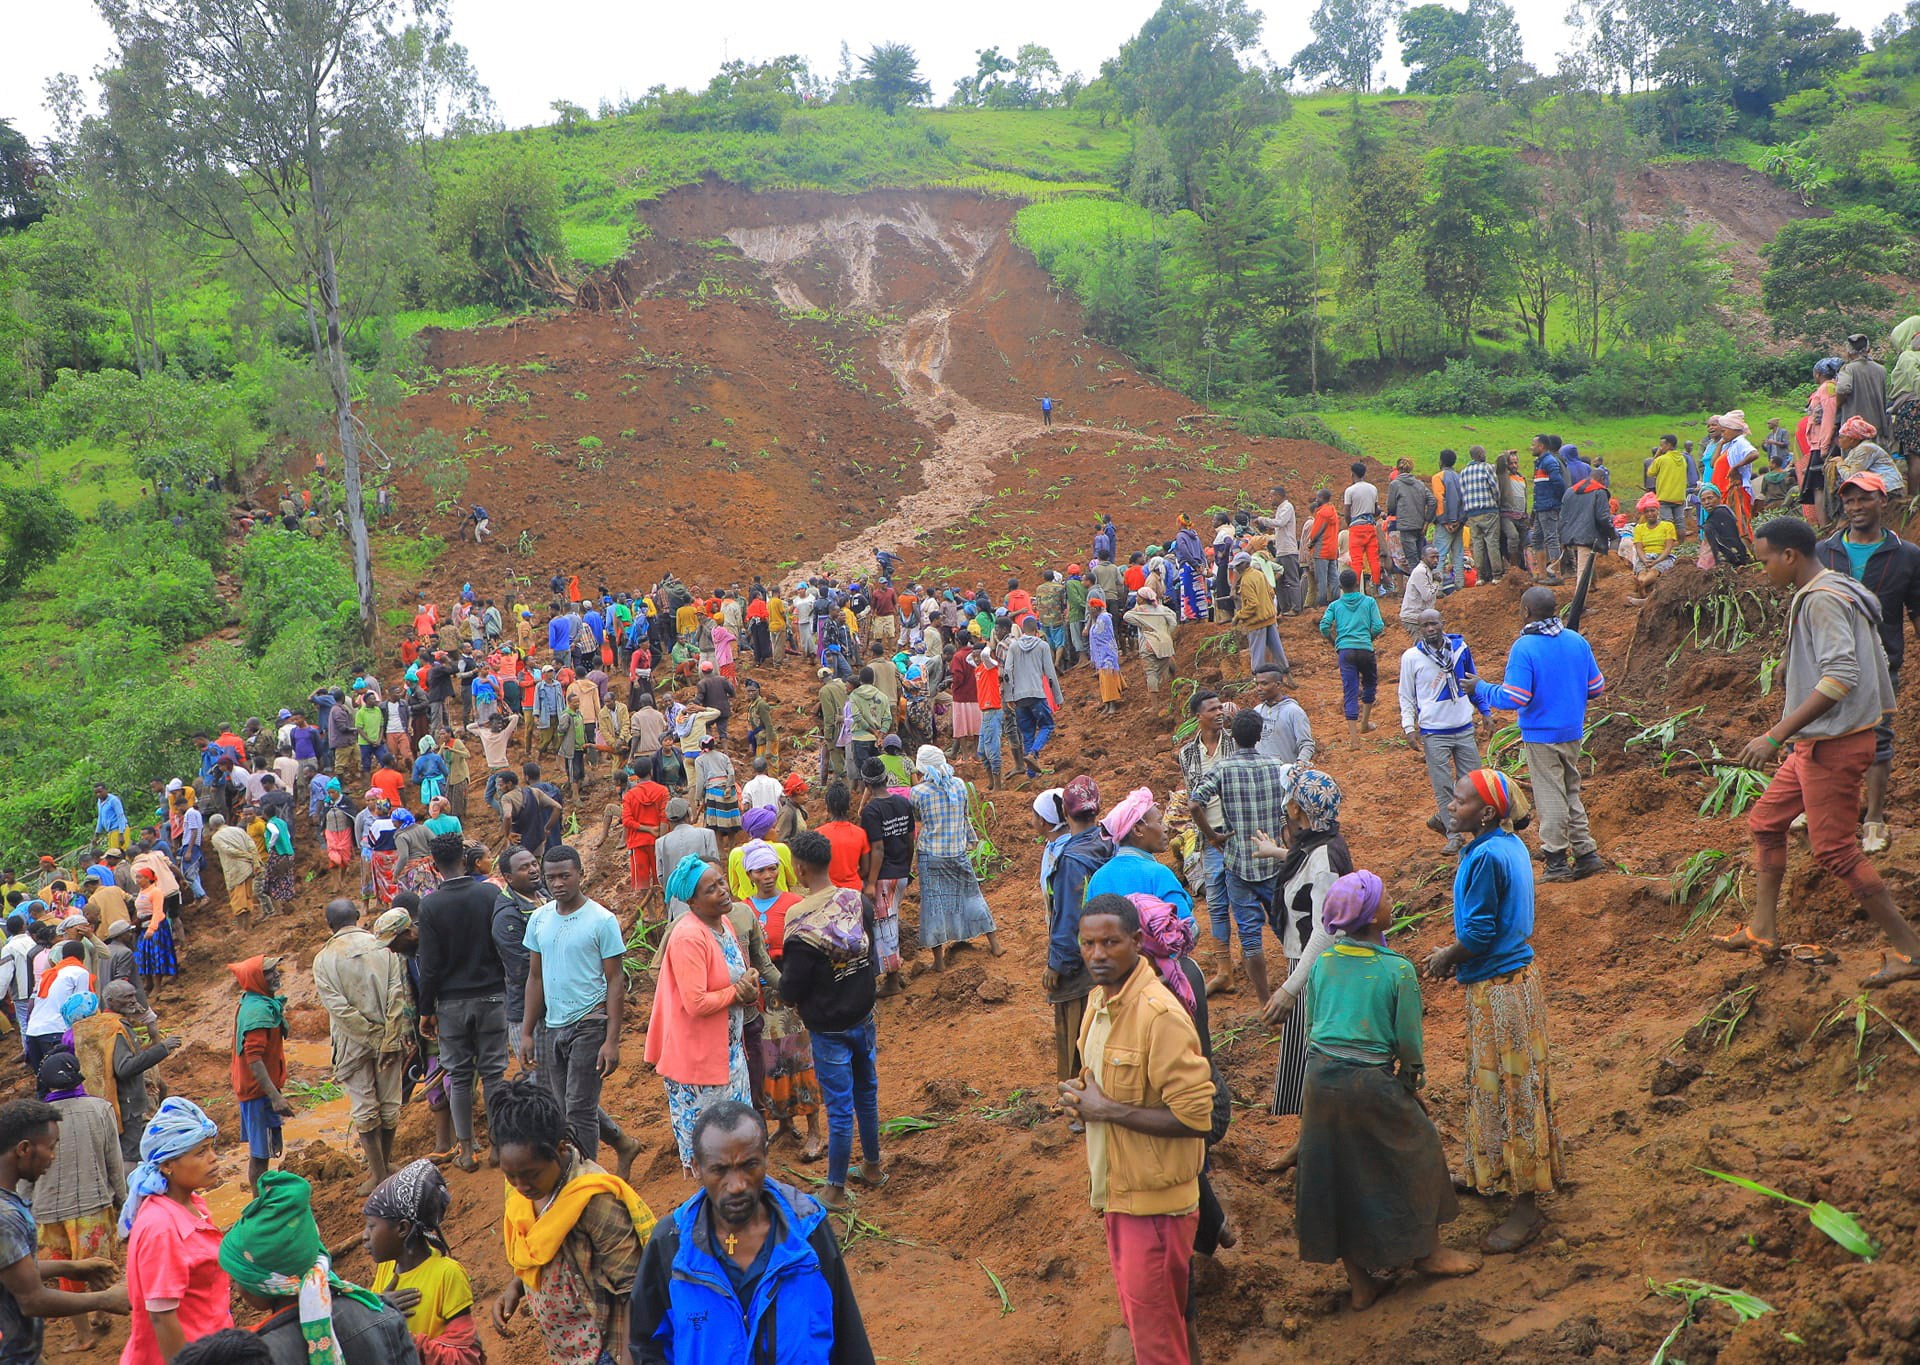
[(288, 579)]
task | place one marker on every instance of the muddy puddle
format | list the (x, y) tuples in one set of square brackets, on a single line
[(319, 1115)]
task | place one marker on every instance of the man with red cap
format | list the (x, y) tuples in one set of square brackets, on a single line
[(1867, 550)]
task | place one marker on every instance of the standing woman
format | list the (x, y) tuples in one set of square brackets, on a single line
[(1104, 651), (791, 1089), (1512, 1145), (952, 908), (713, 774), (696, 1038), (964, 694), (1823, 431), (279, 871), (154, 956), (175, 1286), (429, 770), (1316, 857)]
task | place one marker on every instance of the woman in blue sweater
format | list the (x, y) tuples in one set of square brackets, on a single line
[(1512, 1144)]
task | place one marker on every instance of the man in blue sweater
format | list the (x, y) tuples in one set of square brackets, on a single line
[(1551, 675), (1549, 487)]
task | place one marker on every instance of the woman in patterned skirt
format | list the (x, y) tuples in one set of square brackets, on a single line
[(1513, 1146)]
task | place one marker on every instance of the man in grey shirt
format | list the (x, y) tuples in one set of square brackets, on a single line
[(1286, 552), (1285, 733), (682, 840), (1862, 387)]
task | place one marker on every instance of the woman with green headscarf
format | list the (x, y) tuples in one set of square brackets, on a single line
[(276, 1259)]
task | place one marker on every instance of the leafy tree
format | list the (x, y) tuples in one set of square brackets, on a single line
[(1349, 38), (568, 117), (1823, 276), (1450, 51), (51, 273), (1536, 272), (971, 92), (287, 578), (499, 231), (1673, 277), (20, 171), (1590, 150), (1311, 179), (1034, 83), (1183, 73), (179, 432), (36, 526), (1379, 209), (890, 79), (281, 133), (1475, 203)]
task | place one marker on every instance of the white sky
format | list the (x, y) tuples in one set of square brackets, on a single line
[(589, 50)]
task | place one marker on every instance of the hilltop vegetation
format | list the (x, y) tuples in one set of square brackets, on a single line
[(1282, 243)]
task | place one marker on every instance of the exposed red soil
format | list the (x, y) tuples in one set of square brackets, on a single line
[(1643, 1097)]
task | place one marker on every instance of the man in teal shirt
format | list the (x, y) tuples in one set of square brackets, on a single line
[(1352, 622)]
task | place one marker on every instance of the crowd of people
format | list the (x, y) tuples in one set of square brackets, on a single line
[(766, 877)]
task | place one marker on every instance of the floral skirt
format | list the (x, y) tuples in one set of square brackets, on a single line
[(419, 876), (1512, 1145), (280, 877), (78, 1239), (792, 1090), (886, 924), (685, 1103), (385, 863)]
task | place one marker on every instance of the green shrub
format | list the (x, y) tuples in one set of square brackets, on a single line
[(499, 223), (287, 579)]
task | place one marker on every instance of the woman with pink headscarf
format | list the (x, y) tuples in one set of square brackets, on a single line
[(1859, 453), (1139, 832), (1373, 1187), (1732, 470)]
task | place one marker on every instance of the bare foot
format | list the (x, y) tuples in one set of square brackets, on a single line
[(1521, 1227), (997, 950), (624, 1152), (1365, 1289), (1447, 1261), (1288, 1159)]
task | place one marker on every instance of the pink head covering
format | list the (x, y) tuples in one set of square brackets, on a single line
[(1127, 813), (1858, 429), (1732, 421), (1352, 902), (1166, 938), (1649, 502)]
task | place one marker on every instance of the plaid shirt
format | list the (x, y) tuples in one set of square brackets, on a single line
[(945, 830), (1479, 492), (604, 1249), (1253, 797)]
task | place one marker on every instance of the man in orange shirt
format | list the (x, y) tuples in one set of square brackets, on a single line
[(850, 842), (643, 814), (1322, 547), (389, 783), (1019, 600)]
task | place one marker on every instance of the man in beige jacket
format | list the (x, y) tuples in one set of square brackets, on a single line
[(364, 990)]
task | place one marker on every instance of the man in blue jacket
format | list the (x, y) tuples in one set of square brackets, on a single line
[(1551, 675), (747, 1272), (1549, 487)]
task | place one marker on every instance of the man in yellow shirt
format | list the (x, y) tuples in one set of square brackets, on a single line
[(1653, 540), (1669, 472)]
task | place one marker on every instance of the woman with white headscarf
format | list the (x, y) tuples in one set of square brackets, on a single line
[(952, 908)]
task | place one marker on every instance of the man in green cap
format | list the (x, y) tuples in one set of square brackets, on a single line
[(277, 1260)]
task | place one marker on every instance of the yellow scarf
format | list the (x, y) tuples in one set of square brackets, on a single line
[(533, 1242)]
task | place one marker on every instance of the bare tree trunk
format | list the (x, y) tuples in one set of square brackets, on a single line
[(337, 375)]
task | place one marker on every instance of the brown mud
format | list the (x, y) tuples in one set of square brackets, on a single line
[(940, 392)]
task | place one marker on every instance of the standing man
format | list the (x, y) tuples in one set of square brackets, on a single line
[(576, 1000), (29, 1294), (1084, 851), (1551, 675), (110, 818), (1361, 502), (1030, 675), (1549, 488), (519, 898), (833, 700), (1410, 503), (1154, 622), (463, 987), (1046, 410), (1668, 470), (1146, 1097), (987, 690), (1286, 552), (1889, 567), (259, 1067), (1256, 614), (1285, 734), (1252, 791), (1480, 505), (363, 988), (1838, 689), (1451, 522), (1197, 758), (1437, 710), (1861, 386)]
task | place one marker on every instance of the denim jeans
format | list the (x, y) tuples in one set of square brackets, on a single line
[(1035, 721), (1264, 647), (1213, 865), (1453, 553), (988, 745), (844, 1064), (1250, 902), (569, 1068), (1545, 537), (1326, 580), (473, 1041)]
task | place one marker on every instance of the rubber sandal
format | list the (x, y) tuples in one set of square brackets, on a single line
[(858, 1175), (1880, 980), (1503, 1246), (1812, 954), (1744, 940), (1875, 837)]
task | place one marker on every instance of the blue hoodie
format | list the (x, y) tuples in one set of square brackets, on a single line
[(686, 1310), (1549, 483), (1549, 680)]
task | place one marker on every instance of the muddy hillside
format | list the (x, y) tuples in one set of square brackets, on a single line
[(787, 380)]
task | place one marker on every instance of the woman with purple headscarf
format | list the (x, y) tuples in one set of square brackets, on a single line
[(1373, 1188), (757, 824)]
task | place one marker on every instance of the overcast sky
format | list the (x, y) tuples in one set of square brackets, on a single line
[(589, 50)]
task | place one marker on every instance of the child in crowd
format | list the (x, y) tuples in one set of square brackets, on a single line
[(413, 1268)]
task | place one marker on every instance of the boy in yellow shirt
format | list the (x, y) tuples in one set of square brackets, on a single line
[(412, 1269)]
